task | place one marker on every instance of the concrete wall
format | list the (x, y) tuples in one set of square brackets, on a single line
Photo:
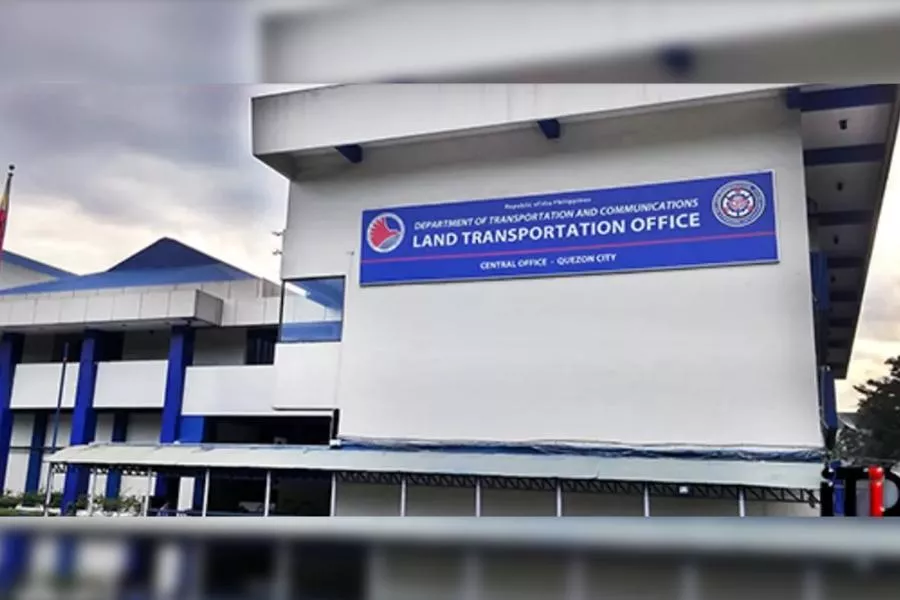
[(569, 358), (383, 500)]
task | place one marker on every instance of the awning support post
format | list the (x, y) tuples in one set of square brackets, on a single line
[(403, 495), (742, 503), (268, 497), (332, 511), (559, 499), (646, 500), (51, 471), (145, 510), (477, 497), (205, 493), (93, 493)]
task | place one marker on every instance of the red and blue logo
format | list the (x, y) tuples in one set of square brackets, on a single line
[(739, 203), (385, 232)]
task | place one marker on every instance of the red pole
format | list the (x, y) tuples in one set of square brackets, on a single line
[(876, 491)]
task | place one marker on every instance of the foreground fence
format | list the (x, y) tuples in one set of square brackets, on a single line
[(436, 558)]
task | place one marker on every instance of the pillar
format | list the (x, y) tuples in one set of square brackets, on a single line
[(119, 434), (84, 419), (10, 355), (84, 426), (16, 547), (181, 356), (36, 452)]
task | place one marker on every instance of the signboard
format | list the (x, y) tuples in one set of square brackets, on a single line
[(696, 223)]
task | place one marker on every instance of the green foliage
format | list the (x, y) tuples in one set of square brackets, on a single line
[(31, 499), (10, 500), (111, 505), (877, 419)]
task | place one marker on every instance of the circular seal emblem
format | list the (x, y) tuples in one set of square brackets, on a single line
[(385, 232), (738, 203)]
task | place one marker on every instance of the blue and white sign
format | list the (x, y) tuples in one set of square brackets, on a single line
[(702, 222)]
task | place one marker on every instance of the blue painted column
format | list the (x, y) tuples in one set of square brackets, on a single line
[(10, 355), (84, 419), (84, 427), (181, 356), (119, 434), (36, 452), (16, 547)]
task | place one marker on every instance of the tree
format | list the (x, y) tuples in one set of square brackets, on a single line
[(877, 433)]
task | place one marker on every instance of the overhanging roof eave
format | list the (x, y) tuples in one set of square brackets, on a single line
[(774, 474)]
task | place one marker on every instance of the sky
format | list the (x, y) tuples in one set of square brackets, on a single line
[(130, 121)]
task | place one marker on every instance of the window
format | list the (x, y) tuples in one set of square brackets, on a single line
[(261, 345), (312, 310)]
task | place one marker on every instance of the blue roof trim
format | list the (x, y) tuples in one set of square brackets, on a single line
[(165, 262), (33, 265), (848, 97), (812, 455), (843, 154), (125, 279)]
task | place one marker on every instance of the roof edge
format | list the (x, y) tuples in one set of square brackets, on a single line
[(34, 265)]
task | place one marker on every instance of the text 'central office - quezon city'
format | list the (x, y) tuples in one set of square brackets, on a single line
[(496, 300)]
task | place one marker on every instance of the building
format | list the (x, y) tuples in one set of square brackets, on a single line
[(110, 351), (682, 364), (419, 358)]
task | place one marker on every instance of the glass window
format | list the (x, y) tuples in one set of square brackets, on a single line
[(312, 310)]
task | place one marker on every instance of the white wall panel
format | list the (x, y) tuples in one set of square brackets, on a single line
[(130, 384), (338, 115), (634, 358), (306, 375), (116, 305), (37, 385), (229, 390)]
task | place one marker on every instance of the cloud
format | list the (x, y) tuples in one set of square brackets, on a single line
[(118, 119), (878, 334), (139, 41)]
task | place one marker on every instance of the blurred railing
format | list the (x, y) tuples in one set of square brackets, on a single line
[(485, 558)]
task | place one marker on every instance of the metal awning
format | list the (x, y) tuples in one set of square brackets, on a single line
[(762, 474)]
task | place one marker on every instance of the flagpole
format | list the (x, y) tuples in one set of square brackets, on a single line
[(4, 207)]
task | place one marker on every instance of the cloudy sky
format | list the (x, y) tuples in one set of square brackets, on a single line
[(129, 121)]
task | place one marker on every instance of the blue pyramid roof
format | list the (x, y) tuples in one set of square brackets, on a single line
[(164, 262)]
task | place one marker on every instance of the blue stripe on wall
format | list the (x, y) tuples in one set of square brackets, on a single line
[(10, 355), (36, 452), (84, 426), (181, 355), (16, 547), (84, 419), (119, 434)]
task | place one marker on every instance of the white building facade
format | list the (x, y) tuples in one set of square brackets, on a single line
[(497, 300)]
